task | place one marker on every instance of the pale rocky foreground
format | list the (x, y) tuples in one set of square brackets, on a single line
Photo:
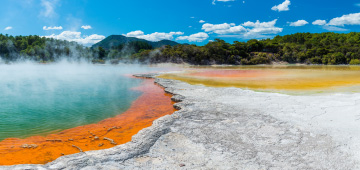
[(231, 128)]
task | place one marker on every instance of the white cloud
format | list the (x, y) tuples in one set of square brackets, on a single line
[(337, 24), (262, 32), (232, 30), (260, 24), (201, 21), (198, 37), (261, 29), (246, 30), (213, 2), (86, 27), (214, 27), (8, 28), (77, 37), (333, 28), (135, 33), (350, 19), (53, 28), (298, 23), (282, 7), (319, 22), (156, 36), (48, 10)]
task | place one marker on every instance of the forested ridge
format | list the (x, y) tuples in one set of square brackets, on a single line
[(307, 48), (319, 48), (41, 49), (116, 40)]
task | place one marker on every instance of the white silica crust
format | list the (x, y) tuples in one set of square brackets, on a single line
[(231, 128)]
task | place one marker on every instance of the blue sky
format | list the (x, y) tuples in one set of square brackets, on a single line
[(185, 21)]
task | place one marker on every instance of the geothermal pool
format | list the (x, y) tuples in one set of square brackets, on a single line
[(54, 107), (52, 110), (42, 99), (282, 79)]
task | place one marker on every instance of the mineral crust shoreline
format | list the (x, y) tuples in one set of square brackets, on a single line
[(215, 129)]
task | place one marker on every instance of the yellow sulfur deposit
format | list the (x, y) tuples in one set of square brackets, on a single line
[(276, 78)]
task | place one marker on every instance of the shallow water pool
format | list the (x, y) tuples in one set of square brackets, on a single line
[(283, 79), (42, 99)]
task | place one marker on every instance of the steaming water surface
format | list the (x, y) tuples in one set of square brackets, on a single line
[(40, 99)]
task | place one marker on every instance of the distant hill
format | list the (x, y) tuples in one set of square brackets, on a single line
[(116, 40)]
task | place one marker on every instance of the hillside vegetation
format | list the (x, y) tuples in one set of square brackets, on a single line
[(40, 49), (114, 41), (322, 48), (319, 48)]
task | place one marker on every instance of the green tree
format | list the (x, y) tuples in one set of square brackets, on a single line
[(355, 62), (102, 53)]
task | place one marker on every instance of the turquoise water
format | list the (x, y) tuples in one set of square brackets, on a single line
[(41, 99)]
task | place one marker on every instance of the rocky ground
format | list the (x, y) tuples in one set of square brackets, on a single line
[(222, 128)]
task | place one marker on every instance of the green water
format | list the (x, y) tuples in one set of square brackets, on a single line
[(42, 99)]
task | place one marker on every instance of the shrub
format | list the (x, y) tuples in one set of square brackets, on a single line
[(354, 62)]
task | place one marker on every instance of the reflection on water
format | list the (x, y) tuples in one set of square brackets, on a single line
[(151, 105), (288, 79), (42, 99)]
